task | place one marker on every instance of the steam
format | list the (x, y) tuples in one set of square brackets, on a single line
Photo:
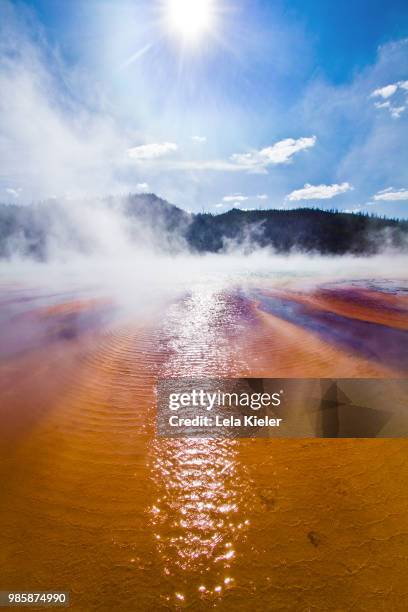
[(140, 278), (52, 144)]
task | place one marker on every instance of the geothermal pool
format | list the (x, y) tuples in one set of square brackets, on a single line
[(92, 502)]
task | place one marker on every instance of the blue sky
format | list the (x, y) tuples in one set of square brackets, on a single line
[(276, 104)]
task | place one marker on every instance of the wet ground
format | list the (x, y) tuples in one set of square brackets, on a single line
[(94, 503)]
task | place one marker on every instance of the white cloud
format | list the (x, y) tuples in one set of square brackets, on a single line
[(318, 192), (352, 210), (199, 139), (220, 205), (254, 162), (142, 187), (235, 198), (385, 92), (386, 190), (396, 111), (279, 153), (391, 195), (151, 151), (382, 104)]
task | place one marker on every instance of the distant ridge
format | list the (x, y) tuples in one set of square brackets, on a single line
[(29, 229), (305, 229)]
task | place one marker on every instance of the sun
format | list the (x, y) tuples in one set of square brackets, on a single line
[(191, 19)]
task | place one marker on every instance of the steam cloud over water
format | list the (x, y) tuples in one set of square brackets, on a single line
[(140, 249)]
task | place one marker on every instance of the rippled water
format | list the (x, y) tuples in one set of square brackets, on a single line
[(93, 502)]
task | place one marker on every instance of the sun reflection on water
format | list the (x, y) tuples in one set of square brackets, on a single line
[(199, 517), (202, 334)]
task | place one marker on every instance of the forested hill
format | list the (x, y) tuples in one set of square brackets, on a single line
[(306, 229), (29, 230)]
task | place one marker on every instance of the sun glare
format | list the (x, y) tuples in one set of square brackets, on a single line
[(191, 18)]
